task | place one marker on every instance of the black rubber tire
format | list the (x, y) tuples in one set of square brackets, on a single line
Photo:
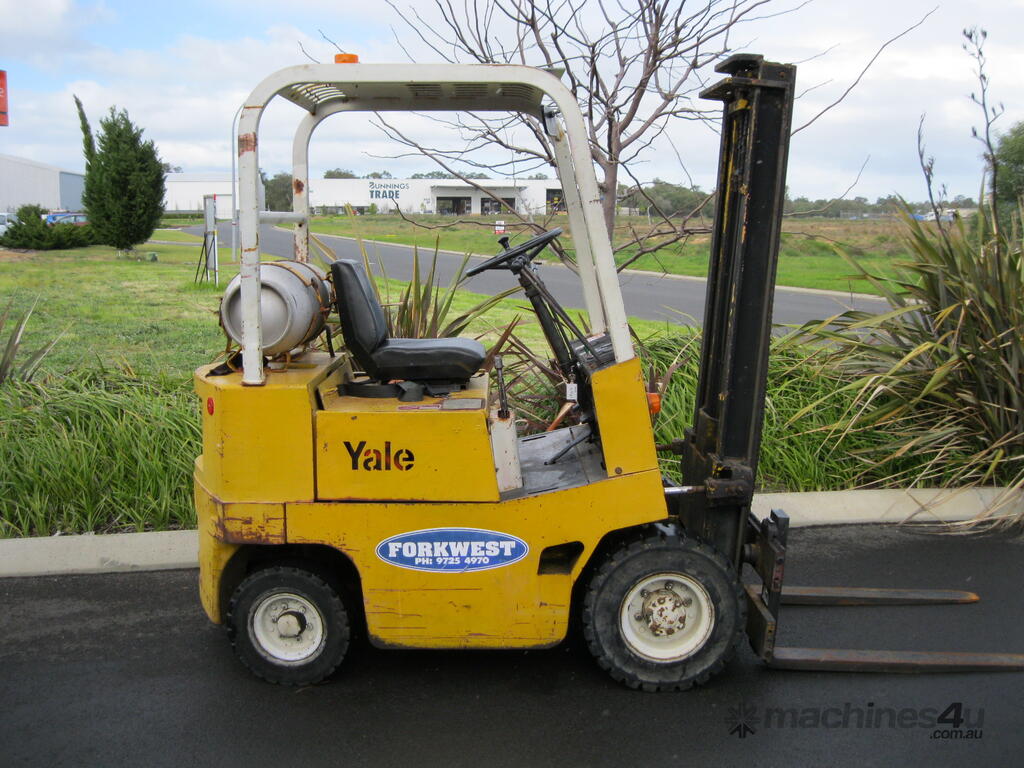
[(262, 584), (628, 566)]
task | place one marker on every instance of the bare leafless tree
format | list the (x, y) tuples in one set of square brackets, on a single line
[(634, 66)]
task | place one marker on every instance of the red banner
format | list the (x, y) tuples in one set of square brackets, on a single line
[(3, 98)]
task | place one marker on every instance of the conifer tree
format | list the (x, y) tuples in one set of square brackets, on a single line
[(124, 180)]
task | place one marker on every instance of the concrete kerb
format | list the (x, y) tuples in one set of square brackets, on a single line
[(167, 550)]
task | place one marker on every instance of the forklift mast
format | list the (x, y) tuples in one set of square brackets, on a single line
[(720, 451)]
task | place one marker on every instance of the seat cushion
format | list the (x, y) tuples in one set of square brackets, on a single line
[(450, 359), (363, 323)]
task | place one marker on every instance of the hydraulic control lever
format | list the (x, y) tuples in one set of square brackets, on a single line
[(499, 372)]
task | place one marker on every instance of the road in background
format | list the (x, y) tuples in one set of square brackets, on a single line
[(125, 670), (649, 297)]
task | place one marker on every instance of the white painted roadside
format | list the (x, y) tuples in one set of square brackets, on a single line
[(50, 555), (920, 505), (166, 550)]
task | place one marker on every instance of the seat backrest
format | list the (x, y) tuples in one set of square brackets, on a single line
[(362, 320)]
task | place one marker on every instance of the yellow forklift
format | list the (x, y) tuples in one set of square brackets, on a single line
[(384, 488)]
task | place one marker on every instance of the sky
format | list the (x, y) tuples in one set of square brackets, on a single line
[(182, 69)]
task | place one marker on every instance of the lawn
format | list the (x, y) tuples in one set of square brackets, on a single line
[(180, 220), (151, 317), (176, 236), (807, 257), (111, 312)]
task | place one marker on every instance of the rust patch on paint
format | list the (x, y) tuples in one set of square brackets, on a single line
[(246, 143), (298, 186), (252, 524)]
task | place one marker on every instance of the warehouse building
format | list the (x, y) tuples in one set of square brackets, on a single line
[(441, 196), (184, 192), (27, 182), (438, 196)]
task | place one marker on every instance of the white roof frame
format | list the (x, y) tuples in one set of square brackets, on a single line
[(326, 89)]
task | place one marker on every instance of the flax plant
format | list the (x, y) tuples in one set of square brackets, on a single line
[(9, 350), (421, 309), (943, 370)]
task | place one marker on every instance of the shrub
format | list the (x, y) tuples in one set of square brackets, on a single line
[(422, 309), (798, 450), (32, 233), (943, 370), (796, 454)]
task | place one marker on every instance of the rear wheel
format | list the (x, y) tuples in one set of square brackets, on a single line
[(663, 613), (288, 626)]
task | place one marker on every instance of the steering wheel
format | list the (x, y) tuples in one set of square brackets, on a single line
[(535, 244)]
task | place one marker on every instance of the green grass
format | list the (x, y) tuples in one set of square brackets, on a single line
[(796, 267), (807, 258), (104, 441), (175, 236), (93, 452), (151, 317), (106, 452), (180, 220), (114, 311), (803, 456)]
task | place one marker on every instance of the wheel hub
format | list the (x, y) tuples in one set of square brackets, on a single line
[(664, 612), (666, 617), (287, 628), (290, 624)]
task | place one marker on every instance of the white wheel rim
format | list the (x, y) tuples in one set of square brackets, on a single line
[(666, 617), (287, 628)]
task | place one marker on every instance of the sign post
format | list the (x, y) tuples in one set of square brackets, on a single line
[(208, 259), (210, 237)]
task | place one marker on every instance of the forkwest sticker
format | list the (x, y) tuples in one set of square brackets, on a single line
[(452, 550)]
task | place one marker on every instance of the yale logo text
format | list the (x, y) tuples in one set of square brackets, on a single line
[(377, 460)]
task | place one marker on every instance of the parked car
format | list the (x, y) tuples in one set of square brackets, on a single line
[(6, 219), (77, 219)]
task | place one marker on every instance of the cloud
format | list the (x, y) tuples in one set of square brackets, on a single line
[(185, 90), (39, 33)]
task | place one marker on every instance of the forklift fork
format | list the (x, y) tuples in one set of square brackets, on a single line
[(765, 551)]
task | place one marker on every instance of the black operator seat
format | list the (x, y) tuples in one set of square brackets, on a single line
[(382, 358)]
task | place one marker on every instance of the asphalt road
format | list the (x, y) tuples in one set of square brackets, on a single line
[(125, 670), (650, 297)]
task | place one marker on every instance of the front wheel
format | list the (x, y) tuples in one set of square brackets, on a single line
[(664, 613), (288, 626)]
